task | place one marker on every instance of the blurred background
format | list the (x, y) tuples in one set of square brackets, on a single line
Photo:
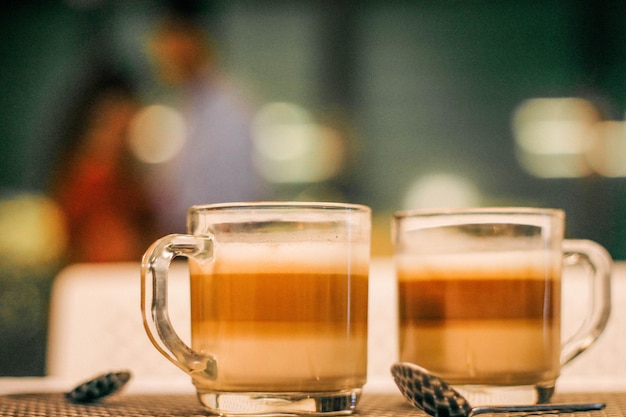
[(393, 104)]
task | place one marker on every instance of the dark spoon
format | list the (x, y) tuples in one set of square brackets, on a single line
[(99, 387), (430, 393)]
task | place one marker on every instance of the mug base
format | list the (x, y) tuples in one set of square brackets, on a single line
[(333, 403), (482, 395)]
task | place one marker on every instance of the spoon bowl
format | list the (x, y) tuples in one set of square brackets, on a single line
[(430, 393), (99, 387)]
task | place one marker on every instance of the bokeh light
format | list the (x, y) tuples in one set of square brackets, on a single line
[(608, 155), (157, 134), (32, 232), (441, 190), (553, 136), (290, 147)]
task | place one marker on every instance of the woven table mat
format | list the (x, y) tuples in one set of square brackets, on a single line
[(134, 405)]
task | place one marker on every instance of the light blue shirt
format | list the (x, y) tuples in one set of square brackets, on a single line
[(216, 162)]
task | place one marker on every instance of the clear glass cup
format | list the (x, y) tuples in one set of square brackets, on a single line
[(480, 299), (279, 298)]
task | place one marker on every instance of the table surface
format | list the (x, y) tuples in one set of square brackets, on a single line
[(139, 405)]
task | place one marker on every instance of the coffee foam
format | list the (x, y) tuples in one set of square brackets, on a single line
[(310, 257), (491, 265)]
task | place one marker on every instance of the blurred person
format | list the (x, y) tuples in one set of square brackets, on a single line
[(96, 181), (215, 163)]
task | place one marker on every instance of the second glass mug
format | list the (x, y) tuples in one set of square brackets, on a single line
[(480, 299), (279, 299)]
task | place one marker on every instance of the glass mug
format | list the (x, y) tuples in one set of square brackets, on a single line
[(279, 298), (480, 299)]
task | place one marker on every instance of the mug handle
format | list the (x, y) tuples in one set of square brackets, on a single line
[(154, 274), (577, 252)]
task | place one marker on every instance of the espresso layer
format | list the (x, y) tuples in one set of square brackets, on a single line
[(481, 329), (276, 297), (478, 298), (282, 330)]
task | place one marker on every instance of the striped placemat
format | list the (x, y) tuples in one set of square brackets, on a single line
[(136, 405)]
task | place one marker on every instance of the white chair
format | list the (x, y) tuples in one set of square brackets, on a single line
[(96, 324)]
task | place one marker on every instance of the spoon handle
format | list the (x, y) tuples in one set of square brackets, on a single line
[(539, 408)]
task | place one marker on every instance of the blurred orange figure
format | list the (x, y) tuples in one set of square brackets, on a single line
[(97, 182)]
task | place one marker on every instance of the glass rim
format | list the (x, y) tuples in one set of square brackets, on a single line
[(286, 205), (401, 214)]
